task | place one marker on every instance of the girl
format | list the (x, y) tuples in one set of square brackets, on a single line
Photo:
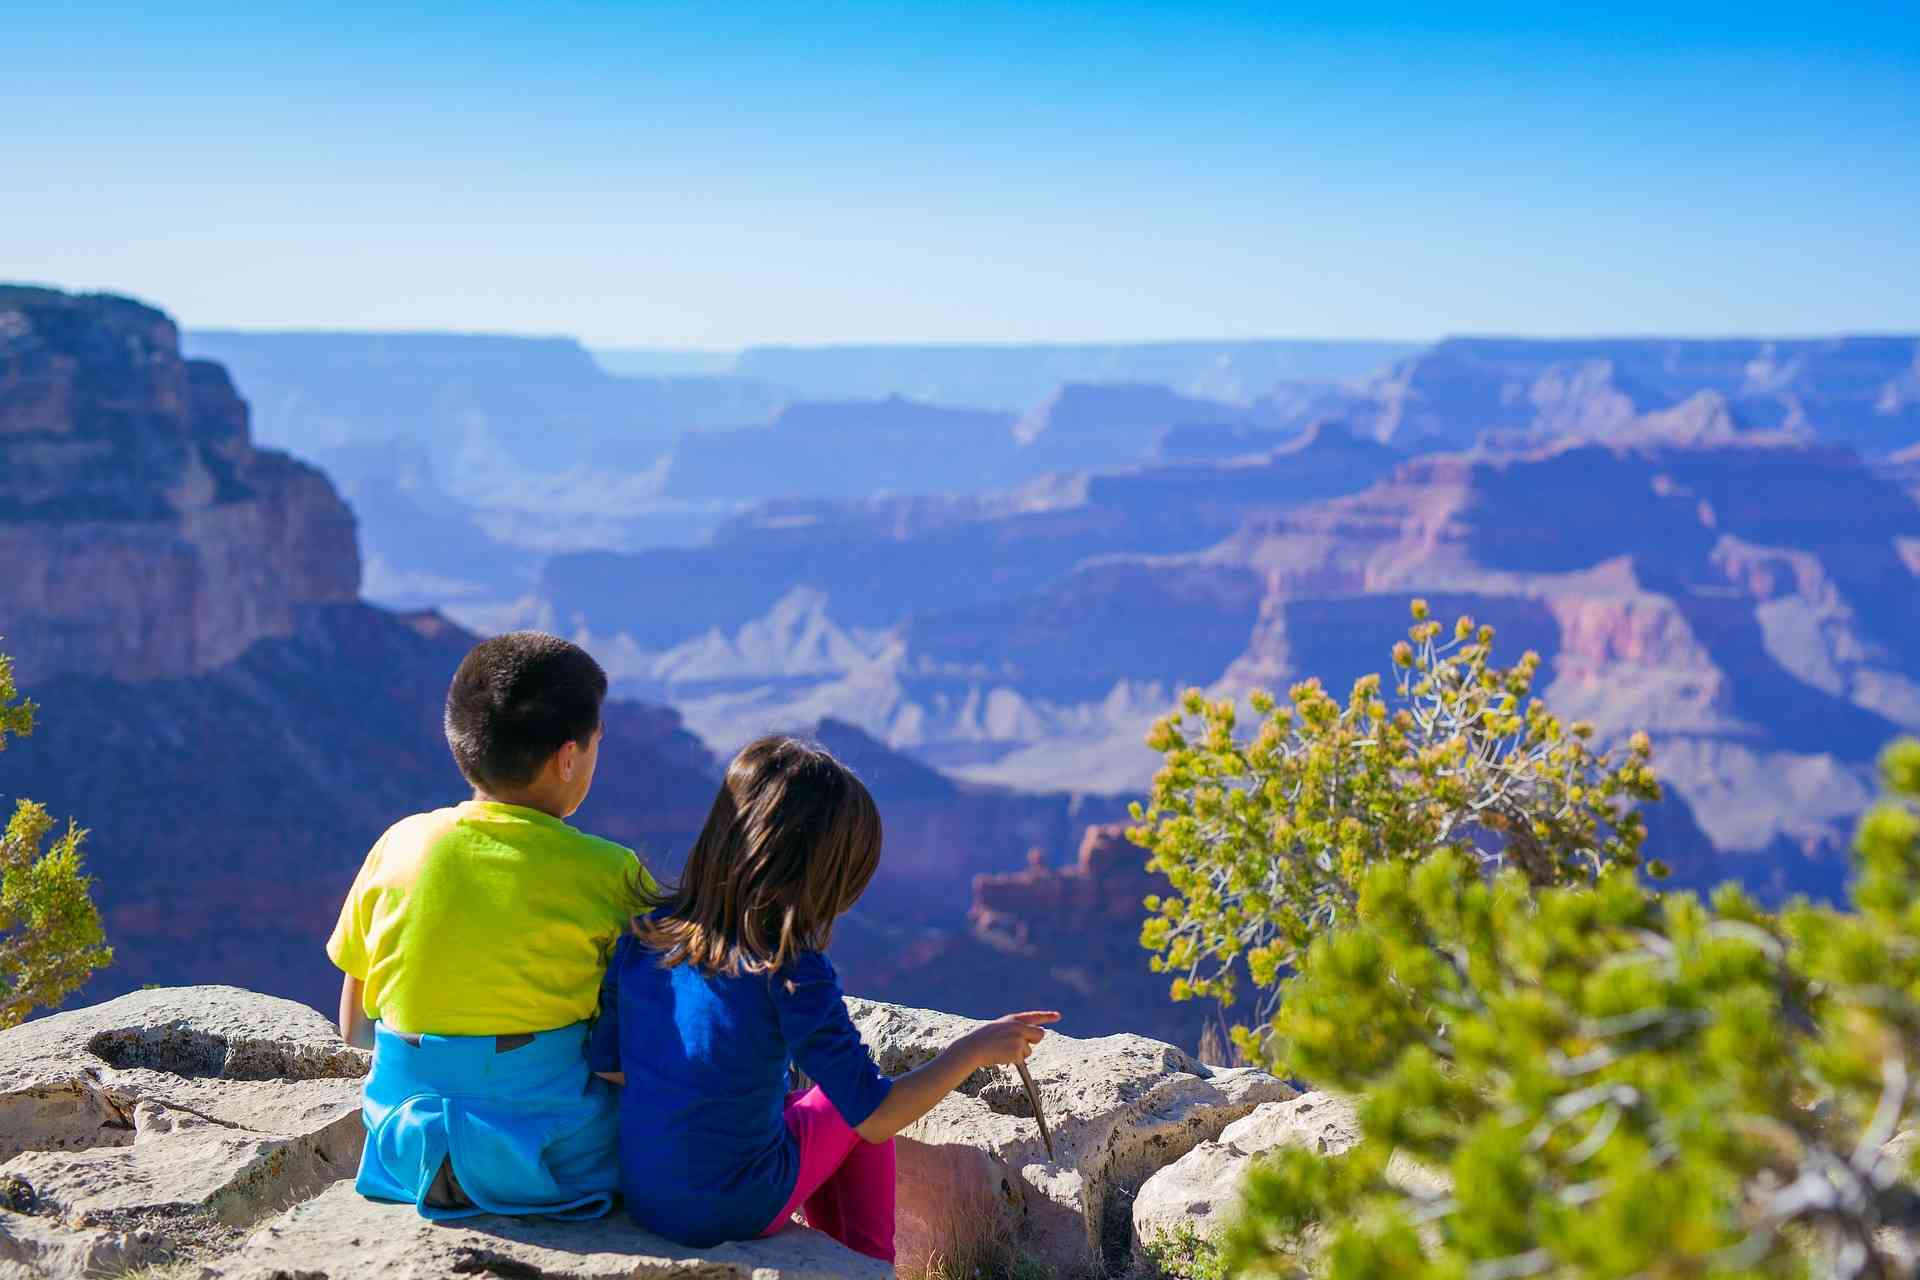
[(725, 982)]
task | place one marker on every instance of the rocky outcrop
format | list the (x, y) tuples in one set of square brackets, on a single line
[(175, 1124), (1105, 885), (165, 1120), (143, 535), (1049, 937), (338, 1235), (1202, 1187), (975, 1178), (1201, 1190), (213, 1125)]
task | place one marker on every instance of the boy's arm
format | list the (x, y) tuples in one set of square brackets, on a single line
[(355, 1027), (603, 1038), (347, 948)]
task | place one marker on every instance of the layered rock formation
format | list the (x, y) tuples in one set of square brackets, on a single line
[(1862, 392), (1749, 607), (141, 533), (956, 627), (1749, 600), (220, 1129), (536, 448)]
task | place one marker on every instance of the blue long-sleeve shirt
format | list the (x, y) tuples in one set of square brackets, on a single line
[(705, 1155)]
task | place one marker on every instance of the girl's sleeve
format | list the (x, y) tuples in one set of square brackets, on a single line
[(603, 1042), (823, 1040)]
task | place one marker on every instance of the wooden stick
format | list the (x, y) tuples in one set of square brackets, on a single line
[(1033, 1096)]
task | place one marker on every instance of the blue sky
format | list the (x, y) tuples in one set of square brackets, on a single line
[(707, 175)]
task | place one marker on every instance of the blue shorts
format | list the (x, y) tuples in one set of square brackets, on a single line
[(464, 1125)]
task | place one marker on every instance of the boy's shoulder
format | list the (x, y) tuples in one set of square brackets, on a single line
[(601, 847), (607, 857), (418, 828)]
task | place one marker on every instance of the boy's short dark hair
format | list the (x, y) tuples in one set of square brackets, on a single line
[(516, 700)]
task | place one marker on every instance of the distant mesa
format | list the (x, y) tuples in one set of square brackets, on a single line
[(1099, 424), (847, 448)]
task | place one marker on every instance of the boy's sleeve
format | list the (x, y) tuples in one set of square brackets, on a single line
[(823, 1040), (603, 1042), (347, 948)]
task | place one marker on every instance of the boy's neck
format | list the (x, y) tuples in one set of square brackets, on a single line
[(530, 798)]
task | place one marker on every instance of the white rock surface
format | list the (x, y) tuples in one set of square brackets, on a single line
[(211, 1102), (974, 1176), (339, 1236), (1202, 1188), (32, 1247)]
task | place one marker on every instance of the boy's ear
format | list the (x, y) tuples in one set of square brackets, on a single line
[(567, 759)]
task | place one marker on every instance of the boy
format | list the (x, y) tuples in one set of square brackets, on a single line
[(473, 942)]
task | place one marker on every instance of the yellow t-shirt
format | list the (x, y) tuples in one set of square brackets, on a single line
[(485, 919)]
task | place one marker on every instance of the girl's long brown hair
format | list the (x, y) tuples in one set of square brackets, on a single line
[(792, 841)]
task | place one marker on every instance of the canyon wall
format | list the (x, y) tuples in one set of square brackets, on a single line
[(142, 536)]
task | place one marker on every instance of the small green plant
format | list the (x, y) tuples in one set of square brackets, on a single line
[(16, 713), (1265, 841), (1185, 1254), (51, 939), (992, 1265), (1615, 1083)]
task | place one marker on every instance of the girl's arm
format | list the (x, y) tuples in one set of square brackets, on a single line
[(355, 1027), (1010, 1039)]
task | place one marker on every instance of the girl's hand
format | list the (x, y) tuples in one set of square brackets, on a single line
[(914, 1094), (1009, 1039)]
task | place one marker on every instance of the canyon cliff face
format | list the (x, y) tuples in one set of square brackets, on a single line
[(1750, 607), (141, 533)]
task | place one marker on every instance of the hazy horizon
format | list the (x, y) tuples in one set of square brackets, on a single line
[(1179, 340)]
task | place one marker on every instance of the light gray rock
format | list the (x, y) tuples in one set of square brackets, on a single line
[(1202, 1188), (975, 1179), (210, 1103), (338, 1235), (32, 1248)]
